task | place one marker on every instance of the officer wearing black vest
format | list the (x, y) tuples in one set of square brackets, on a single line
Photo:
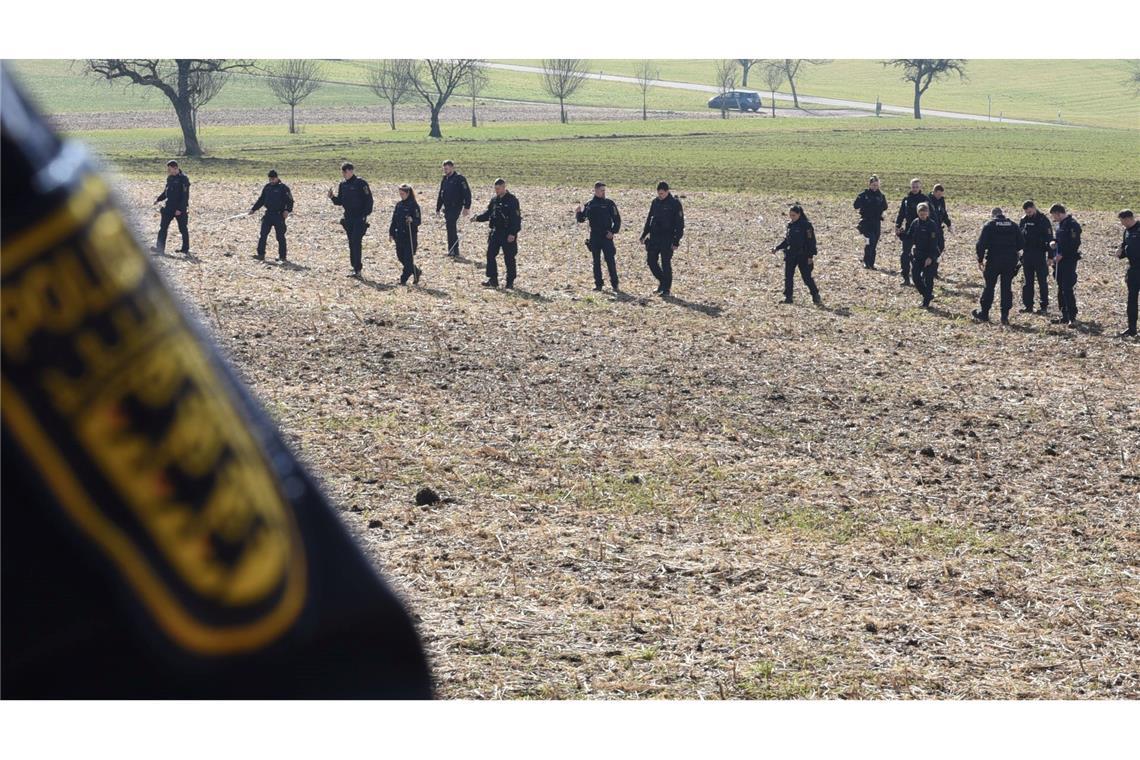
[(505, 218), (799, 250), (908, 212), (1130, 249), (454, 199), (605, 222), (871, 204), (997, 258), (355, 197), (664, 228), (277, 200), (1066, 247), (925, 235), (177, 206), (1036, 233)]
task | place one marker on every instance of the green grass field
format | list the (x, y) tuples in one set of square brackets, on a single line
[(984, 164), (1086, 92), (61, 87)]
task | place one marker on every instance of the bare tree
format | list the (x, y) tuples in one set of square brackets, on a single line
[(292, 81), (923, 72), (774, 75), (746, 65), (792, 68), (435, 79), (178, 79), (1133, 79), (204, 85), (725, 73), (477, 81), (391, 79), (647, 74), (561, 77)]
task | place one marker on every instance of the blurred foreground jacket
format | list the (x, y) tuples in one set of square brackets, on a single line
[(159, 539)]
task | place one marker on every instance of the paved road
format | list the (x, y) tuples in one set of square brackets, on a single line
[(813, 99)]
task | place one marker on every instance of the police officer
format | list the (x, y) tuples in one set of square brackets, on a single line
[(355, 197), (454, 199), (404, 232), (505, 220), (1036, 234), (871, 204), (605, 222), (1066, 247), (908, 212), (997, 259), (277, 200), (924, 235), (664, 228), (177, 197), (799, 250), (939, 214), (1130, 249)]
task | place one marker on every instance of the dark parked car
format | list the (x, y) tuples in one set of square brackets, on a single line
[(737, 99)]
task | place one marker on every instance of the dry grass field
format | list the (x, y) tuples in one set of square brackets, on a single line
[(713, 496)]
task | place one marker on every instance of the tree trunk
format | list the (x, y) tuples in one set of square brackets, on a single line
[(773, 104), (744, 79), (474, 122), (917, 98), (644, 112), (392, 114), (795, 95), (292, 119), (189, 134), (562, 109), (435, 123)]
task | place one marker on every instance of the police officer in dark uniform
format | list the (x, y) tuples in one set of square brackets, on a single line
[(997, 258), (605, 222), (908, 212), (799, 250), (924, 236), (505, 219), (277, 200), (454, 199), (404, 232), (664, 228), (177, 197), (1130, 249), (1066, 247), (871, 204), (355, 197), (1036, 234), (941, 216)]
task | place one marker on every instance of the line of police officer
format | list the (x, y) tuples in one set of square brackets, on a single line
[(1032, 244)]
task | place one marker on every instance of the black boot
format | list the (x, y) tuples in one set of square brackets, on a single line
[(981, 316)]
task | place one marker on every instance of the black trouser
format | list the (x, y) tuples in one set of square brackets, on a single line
[(1066, 282), (1133, 280), (164, 225), (798, 261), (1002, 269), (871, 233), (923, 276), (405, 252), (905, 258), (660, 261), (495, 242), (451, 218), (355, 227), (1036, 274), (272, 220), (602, 245)]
